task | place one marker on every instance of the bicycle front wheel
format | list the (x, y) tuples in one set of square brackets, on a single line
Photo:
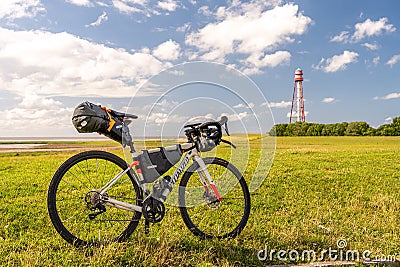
[(225, 219), (73, 190)]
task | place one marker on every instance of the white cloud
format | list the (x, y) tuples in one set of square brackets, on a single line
[(342, 37), (328, 100), (237, 116), (365, 29), (241, 105), (63, 64), (376, 60), (169, 50), (80, 2), (204, 10), (185, 27), (162, 106), (249, 29), (36, 115), (247, 105), (169, 5), (177, 72), (282, 104), (129, 6), (14, 9), (388, 119), (32, 101), (207, 117), (251, 71), (391, 96), (160, 118), (269, 60), (371, 46), (337, 62), (159, 29), (146, 7), (393, 60), (102, 18), (102, 4), (370, 28)]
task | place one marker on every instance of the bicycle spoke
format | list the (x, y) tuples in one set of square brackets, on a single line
[(78, 179), (86, 175), (70, 217)]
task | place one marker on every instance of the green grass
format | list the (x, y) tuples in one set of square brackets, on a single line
[(319, 190)]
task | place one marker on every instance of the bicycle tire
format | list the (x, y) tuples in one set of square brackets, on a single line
[(68, 187), (197, 216)]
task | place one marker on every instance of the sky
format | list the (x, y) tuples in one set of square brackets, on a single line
[(55, 54)]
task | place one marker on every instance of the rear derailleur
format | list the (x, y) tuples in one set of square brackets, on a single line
[(94, 202)]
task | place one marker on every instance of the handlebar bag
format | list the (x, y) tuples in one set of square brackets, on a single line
[(206, 144), (90, 118), (155, 162)]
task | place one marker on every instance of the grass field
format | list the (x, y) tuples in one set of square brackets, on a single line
[(319, 190)]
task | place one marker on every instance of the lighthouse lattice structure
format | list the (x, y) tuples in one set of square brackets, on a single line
[(297, 110)]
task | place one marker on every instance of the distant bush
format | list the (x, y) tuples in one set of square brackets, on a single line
[(358, 128)]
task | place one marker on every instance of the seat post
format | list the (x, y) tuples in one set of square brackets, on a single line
[(127, 138)]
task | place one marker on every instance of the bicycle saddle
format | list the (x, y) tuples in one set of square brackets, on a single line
[(192, 125), (122, 115)]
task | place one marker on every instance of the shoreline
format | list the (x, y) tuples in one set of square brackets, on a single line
[(59, 144), (74, 139)]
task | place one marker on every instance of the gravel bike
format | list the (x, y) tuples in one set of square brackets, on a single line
[(96, 197)]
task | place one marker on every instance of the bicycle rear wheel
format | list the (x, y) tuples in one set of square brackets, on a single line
[(225, 219), (75, 185)]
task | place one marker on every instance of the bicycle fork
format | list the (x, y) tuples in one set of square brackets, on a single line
[(204, 177)]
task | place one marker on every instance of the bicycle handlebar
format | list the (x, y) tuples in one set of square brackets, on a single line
[(218, 124), (210, 123), (208, 127)]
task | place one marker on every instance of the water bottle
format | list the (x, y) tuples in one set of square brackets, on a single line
[(162, 188)]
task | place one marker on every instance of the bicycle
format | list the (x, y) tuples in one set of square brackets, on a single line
[(96, 197)]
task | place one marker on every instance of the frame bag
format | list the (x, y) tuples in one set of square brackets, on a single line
[(155, 162)]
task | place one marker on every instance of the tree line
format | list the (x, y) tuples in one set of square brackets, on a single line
[(336, 129)]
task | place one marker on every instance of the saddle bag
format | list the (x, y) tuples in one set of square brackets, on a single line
[(90, 118)]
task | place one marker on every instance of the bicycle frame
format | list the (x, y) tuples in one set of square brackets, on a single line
[(191, 154)]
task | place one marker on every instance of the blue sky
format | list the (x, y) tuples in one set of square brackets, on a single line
[(55, 54)]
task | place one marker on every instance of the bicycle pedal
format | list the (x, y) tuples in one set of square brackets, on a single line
[(146, 227)]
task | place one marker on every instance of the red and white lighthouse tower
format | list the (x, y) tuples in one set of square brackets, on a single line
[(297, 99)]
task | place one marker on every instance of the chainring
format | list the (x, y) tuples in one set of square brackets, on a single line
[(153, 210)]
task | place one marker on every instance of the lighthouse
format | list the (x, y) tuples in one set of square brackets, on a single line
[(297, 110)]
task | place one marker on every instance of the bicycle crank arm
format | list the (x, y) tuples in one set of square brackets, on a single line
[(122, 205)]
